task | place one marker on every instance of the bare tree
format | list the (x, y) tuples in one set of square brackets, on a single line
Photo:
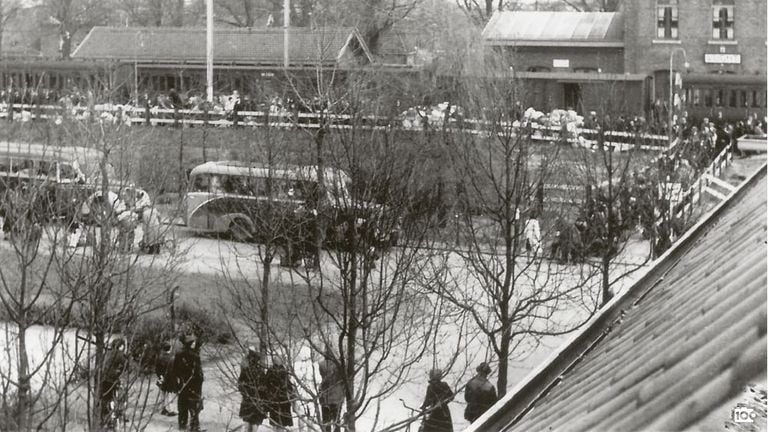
[(481, 10), (513, 292), (8, 11), (73, 17), (29, 291), (240, 13)]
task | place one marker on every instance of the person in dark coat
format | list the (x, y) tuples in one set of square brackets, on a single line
[(278, 391), (480, 394), (163, 366), (115, 363), (438, 415), (331, 393), (187, 373), (250, 384)]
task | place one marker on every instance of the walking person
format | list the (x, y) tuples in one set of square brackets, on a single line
[(163, 366), (438, 415), (331, 393), (532, 234), (278, 392), (479, 394), (250, 384), (187, 371)]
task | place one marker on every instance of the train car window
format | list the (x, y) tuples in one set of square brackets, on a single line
[(732, 101), (755, 98), (707, 97), (719, 97), (696, 97), (744, 100)]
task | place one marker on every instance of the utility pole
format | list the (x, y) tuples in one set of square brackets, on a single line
[(286, 25), (209, 49)]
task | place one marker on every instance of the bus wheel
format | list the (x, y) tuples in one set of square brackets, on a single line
[(239, 229)]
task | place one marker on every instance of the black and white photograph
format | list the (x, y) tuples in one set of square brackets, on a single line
[(383, 215)]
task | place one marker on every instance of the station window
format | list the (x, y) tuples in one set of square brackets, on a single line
[(666, 19), (722, 20)]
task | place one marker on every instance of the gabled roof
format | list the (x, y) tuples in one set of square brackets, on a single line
[(594, 29), (677, 345), (231, 45)]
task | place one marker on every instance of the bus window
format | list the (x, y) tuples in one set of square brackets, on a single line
[(45, 169), (67, 172), (258, 186), (201, 183), (229, 184)]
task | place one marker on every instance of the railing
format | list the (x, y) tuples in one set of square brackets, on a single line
[(692, 196), (617, 140)]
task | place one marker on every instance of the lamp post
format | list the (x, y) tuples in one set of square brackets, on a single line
[(209, 50), (671, 85)]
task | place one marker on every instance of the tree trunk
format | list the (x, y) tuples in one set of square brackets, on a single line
[(66, 45), (179, 14), (23, 408), (501, 381), (264, 336), (605, 270)]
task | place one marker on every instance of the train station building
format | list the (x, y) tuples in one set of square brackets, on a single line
[(620, 61)]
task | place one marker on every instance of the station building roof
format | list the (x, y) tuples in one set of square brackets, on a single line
[(245, 46), (573, 29), (674, 349)]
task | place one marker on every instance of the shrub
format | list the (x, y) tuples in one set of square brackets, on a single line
[(205, 324)]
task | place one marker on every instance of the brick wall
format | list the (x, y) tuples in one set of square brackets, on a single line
[(643, 55), (608, 60)]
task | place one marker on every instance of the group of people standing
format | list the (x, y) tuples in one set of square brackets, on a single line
[(180, 373), (267, 392)]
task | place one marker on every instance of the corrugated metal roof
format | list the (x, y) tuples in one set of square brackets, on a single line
[(232, 45), (537, 28), (680, 343)]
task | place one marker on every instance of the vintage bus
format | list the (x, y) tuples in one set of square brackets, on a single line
[(227, 197), (67, 174), (232, 198)]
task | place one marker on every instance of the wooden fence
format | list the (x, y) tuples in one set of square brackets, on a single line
[(617, 140)]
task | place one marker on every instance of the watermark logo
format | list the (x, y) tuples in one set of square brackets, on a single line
[(743, 414)]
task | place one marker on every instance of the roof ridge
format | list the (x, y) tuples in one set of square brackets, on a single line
[(240, 30)]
